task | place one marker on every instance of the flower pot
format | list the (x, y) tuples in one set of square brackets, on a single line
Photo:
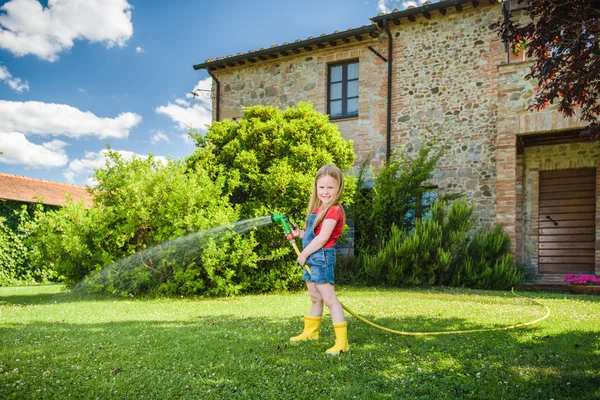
[(585, 289)]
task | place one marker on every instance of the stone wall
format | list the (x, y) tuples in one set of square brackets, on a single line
[(445, 78), (283, 83), (449, 75)]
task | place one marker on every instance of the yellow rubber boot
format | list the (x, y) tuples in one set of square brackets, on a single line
[(311, 329), (341, 339)]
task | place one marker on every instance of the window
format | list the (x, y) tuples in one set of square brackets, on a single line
[(342, 90)]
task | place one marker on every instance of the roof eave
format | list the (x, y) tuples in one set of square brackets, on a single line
[(442, 5), (292, 47)]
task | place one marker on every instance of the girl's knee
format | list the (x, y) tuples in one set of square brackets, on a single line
[(331, 302), (316, 299)]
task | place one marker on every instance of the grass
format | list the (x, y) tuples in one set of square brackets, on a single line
[(55, 346)]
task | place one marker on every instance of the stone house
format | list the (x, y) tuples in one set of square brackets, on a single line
[(443, 66)]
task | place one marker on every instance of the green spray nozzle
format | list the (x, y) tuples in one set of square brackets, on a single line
[(285, 223)]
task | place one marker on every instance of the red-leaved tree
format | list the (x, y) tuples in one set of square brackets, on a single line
[(562, 36)]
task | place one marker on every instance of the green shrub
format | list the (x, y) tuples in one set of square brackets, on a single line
[(15, 256), (140, 236), (488, 263), (425, 254), (396, 195), (267, 161), (12, 255), (137, 204), (443, 249)]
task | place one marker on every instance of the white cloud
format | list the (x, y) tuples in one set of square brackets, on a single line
[(382, 7), (195, 116), (18, 150), (187, 139), (93, 160), (26, 27), (15, 84), (386, 6), (61, 119), (140, 50), (158, 136), (187, 114), (202, 95)]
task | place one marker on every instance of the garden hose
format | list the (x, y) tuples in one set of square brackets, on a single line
[(285, 222), (503, 328)]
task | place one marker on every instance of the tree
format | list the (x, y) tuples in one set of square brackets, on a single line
[(269, 158), (562, 37)]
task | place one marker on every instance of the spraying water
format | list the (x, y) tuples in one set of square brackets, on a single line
[(151, 267)]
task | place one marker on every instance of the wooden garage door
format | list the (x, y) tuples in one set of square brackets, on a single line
[(567, 221)]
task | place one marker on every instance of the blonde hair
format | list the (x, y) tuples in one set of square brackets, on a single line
[(314, 203)]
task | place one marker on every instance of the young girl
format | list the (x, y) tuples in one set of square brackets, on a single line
[(324, 225)]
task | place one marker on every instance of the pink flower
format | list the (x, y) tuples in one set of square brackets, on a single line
[(577, 279)]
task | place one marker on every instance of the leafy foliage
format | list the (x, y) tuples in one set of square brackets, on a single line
[(267, 160), (488, 262), (143, 234), (562, 37), (395, 196), (12, 255), (15, 265), (137, 204), (440, 251)]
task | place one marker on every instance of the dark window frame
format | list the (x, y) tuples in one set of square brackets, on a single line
[(345, 81)]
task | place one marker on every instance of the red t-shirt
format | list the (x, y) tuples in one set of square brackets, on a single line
[(334, 212)]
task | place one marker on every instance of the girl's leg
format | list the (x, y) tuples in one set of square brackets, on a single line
[(327, 293), (312, 322), (316, 298)]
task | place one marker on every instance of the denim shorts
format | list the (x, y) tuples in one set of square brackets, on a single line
[(322, 264)]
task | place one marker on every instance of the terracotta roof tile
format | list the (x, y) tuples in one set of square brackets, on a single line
[(29, 190)]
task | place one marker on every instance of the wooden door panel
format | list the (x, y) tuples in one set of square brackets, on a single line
[(567, 252), (570, 181), (567, 188), (562, 267), (569, 217), (566, 259), (567, 231), (568, 202), (568, 238), (567, 224), (566, 245), (567, 195), (568, 173), (567, 221), (567, 209)]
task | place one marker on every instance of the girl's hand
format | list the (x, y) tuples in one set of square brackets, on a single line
[(302, 259), (297, 232)]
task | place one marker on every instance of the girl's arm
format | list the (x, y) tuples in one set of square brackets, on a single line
[(319, 241)]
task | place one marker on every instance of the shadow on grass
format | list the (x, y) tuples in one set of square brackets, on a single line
[(16, 297), (219, 357)]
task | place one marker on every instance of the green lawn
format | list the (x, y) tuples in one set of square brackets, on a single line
[(54, 345)]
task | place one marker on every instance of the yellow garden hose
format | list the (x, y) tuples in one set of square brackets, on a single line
[(503, 328), (456, 332)]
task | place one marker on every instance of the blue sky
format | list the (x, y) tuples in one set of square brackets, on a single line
[(76, 75)]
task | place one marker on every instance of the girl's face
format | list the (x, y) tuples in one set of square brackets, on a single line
[(327, 187)]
